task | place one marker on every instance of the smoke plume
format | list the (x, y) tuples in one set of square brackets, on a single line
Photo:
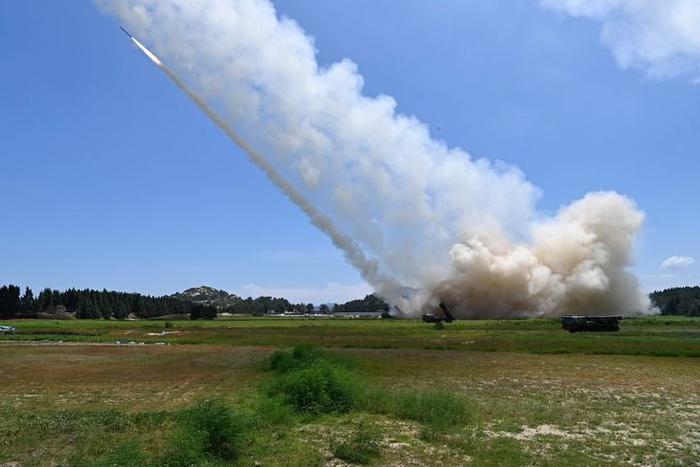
[(421, 221)]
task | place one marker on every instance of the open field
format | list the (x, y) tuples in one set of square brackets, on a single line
[(662, 336), (534, 395)]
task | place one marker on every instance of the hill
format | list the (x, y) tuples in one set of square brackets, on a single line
[(205, 295)]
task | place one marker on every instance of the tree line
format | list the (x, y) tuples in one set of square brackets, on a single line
[(94, 304), (677, 301), (263, 305), (370, 303), (104, 304)]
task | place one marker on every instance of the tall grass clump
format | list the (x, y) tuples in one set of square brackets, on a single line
[(300, 356), (438, 410), (271, 411), (362, 447), (318, 388), (209, 430), (314, 383)]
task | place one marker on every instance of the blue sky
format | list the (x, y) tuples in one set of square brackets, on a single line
[(112, 178)]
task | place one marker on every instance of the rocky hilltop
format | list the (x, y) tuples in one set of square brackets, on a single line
[(206, 295)]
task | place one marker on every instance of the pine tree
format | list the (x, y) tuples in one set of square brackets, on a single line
[(27, 302)]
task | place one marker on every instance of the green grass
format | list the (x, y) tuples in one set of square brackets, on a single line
[(655, 336), (208, 429), (438, 410), (362, 447), (318, 388), (314, 382)]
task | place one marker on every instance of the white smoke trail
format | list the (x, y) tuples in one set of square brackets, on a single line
[(439, 224), (352, 251)]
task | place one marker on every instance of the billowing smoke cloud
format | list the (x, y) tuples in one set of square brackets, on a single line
[(661, 37), (422, 222)]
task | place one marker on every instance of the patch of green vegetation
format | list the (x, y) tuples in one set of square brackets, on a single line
[(363, 446), (437, 409), (111, 421), (300, 356), (209, 429), (77, 437), (319, 388), (207, 433), (270, 411), (315, 383), (502, 452), (127, 454), (655, 336)]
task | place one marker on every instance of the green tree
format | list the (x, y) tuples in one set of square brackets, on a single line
[(27, 301), (9, 301)]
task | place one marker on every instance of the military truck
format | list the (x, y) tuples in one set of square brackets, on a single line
[(446, 316), (591, 323)]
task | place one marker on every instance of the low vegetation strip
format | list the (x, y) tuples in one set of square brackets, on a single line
[(653, 336)]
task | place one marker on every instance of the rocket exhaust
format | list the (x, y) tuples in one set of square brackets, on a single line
[(423, 222), (368, 268), (146, 52)]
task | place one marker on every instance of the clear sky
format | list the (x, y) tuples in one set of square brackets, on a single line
[(111, 178)]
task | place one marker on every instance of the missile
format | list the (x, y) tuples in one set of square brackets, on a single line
[(143, 48)]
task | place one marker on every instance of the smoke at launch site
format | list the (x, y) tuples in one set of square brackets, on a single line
[(421, 221)]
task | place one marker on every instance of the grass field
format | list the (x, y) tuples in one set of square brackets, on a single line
[(477, 392)]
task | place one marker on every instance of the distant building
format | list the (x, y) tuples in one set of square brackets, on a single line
[(359, 314)]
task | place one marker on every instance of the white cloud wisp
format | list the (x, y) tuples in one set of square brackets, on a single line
[(677, 262), (659, 37)]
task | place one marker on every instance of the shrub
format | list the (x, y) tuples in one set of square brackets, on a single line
[(320, 387), (300, 356), (362, 447), (209, 429), (272, 411), (184, 450)]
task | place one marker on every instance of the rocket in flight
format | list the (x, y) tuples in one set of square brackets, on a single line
[(143, 48)]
